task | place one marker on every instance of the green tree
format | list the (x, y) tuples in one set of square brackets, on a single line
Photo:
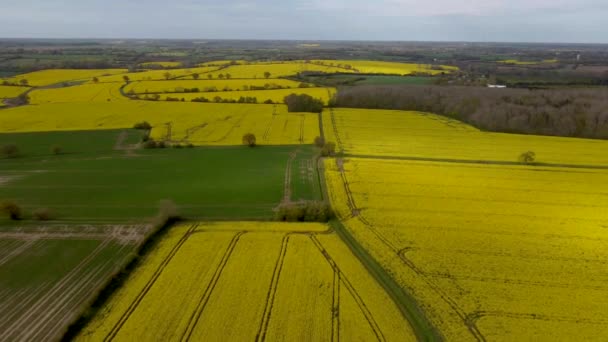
[(527, 157), (249, 140), (12, 209)]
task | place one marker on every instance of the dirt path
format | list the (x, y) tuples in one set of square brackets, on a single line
[(120, 141), (8, 179), (287, 185)]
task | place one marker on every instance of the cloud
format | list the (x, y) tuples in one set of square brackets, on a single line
[(494, 20)]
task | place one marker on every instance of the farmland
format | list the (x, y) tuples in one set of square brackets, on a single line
[(258, 261), (389, 68), (489, 249), (144, 214), (101, 92), (7, 92), (179, 86), (197, 123), (48, 275), (50, 77), (418, 135), (274, 95), (80, 184), (149, 75), (164, 64)]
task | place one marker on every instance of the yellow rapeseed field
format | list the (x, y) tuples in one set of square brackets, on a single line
[(165, 64), (223, 62), (197, 123), (422, 135), (490, 252), (180, 85), (274, 95), (54, 76), (239, 280), (159, 74), (390, 68), (101, 92), (258, 70), (7, 92), (518, 62), (289, 68)]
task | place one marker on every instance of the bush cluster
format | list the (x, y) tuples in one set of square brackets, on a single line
[(151, 143), (143, 125), (303, 103), (249, 139), (527, 157), (12, 209), (304, 211), (15, 212), (9, 151)]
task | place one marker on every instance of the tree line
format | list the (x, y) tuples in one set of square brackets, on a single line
[(558, 112)]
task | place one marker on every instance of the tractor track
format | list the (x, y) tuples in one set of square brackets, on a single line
[(125, 316)]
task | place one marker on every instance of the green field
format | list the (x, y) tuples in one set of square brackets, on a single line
[(354, 80), (47, 279), (92, 182), (377, 80)]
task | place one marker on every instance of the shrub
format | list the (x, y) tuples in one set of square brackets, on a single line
[(167, 211), (12, 209), (249, 140), (161, 144), (304, 211), (177, 146), (527, 157), (319, 142), (56, 150), (190, 145), (150, 143), (303, 103), (10, 151), (143, 125), (43, 214), (329, 149)]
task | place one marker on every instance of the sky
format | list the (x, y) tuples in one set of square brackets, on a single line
[(574, 21)]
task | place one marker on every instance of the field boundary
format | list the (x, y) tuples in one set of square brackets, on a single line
[(133, 306), (472, 161), (409, 308), (350, 288), (107, 289)]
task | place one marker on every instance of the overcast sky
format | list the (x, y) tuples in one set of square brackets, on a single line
[(462, 20)]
